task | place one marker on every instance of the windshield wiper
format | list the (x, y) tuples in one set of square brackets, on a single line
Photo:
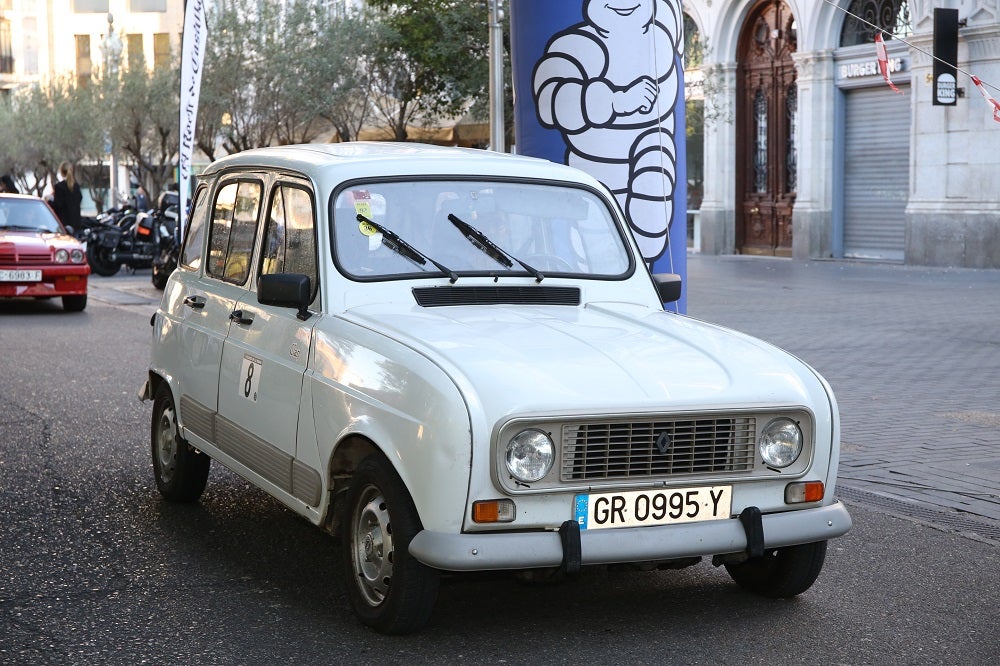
[(404, 249), (483, 243)]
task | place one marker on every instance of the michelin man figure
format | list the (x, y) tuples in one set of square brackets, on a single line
[(609, 85)]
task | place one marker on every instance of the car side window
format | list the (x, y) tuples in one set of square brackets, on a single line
[(195, 236), (234, 229), (289, 235)]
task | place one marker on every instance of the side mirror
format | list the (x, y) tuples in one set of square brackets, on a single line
[(668, 286), (286, 290)]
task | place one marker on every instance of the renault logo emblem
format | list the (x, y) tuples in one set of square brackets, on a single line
[(663, 443)]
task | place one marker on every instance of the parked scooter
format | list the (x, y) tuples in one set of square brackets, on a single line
[(130, 238)]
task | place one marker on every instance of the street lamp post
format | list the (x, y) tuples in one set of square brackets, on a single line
[(112, 51), (496, 77)]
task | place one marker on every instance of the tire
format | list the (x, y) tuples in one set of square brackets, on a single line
[(159, 278), (390, 590), (74, 303), (781, 573), (100, 261), (181, 471)]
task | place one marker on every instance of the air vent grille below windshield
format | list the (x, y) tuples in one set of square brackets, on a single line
[(430, 297)]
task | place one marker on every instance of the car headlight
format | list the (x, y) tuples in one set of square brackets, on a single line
[(780, 442), (529, 455), (77, 256), (62, 256)]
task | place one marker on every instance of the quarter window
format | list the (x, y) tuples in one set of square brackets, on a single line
[(289, 236), (234, 229), (195, 237)]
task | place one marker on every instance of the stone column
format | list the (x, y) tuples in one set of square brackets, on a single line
[(718, 219), (812, 217)]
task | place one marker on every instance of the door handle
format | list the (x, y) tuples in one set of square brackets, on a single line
[(237, 316), (195, 302), (754, 210)]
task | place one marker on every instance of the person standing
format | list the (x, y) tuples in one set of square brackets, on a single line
[(66, 197), (7, 184), (141, 199)]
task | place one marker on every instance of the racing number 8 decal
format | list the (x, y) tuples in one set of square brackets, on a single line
[(249, 378)]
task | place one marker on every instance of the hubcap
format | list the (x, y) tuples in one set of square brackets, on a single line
[(372, 546), (166, 444)]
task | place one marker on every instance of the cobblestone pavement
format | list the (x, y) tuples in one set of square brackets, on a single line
[(913, 355)]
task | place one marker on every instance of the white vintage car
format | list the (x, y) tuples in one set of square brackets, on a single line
[(455, 360)]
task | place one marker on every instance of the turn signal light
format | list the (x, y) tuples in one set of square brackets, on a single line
[(806, 491), (494, 511)]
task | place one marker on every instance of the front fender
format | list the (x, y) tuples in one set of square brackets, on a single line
[(366, 384)]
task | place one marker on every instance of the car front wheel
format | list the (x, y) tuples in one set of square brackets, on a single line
[(782, 572), (74, 303), (181, 471), (390, 590)]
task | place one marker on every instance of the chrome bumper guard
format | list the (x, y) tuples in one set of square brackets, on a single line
[(485, 551)]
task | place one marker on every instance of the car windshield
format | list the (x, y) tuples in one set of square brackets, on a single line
[(468, 227), (27, 215)]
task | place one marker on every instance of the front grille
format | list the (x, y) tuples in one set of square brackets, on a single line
[(25, 258), (663, 448)]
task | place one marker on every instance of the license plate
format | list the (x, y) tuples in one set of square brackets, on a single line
[(21, 276), (653, 507)]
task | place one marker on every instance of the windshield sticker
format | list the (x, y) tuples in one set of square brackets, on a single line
[(363, 206)]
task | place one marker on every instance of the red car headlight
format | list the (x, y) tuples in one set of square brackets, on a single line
[(62, 256), (77, 256)]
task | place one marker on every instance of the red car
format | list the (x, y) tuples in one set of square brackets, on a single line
[(38, 258)]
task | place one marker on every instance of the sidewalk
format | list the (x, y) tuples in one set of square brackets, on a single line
[(913, 355)]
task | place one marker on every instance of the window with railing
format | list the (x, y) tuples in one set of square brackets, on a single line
[(891, 16), (162, 55), (135, 51), (91, 6), (147, 5), (6, 49)]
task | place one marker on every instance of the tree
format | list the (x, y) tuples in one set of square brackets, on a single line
[(43, 125), (145, 128), (433, 61)]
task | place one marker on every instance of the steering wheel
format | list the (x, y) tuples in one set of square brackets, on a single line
[(548, 262)]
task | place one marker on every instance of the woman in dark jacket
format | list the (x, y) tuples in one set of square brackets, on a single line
[(66, 197)]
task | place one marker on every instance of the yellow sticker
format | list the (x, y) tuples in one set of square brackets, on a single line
[(367, 229)]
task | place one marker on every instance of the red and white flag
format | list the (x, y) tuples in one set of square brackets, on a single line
[(986, 95), (883, 61)]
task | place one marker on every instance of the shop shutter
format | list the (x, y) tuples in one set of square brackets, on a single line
[(876, 172)]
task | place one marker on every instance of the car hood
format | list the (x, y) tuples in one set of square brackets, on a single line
[(596, 358), (33, 241)]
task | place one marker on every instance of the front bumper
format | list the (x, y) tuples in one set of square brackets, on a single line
[(527, 550), (57, 280)]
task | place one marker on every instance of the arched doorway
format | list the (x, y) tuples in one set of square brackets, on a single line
[(767, 102)]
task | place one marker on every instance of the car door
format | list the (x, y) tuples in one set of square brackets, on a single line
[(265, 356), (211, 281)]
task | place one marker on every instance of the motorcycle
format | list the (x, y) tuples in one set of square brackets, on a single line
[(130, 238), (170, 248)]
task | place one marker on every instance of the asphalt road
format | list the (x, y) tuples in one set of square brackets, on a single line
[(96, 569)]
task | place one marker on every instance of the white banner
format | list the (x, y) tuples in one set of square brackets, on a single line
[(192, 57)]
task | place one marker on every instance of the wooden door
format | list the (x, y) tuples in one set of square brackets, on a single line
[(767, 102)]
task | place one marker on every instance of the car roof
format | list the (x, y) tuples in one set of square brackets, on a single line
[(334, 162)]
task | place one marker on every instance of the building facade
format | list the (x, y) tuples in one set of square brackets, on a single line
[(41, 40), (809, 153)]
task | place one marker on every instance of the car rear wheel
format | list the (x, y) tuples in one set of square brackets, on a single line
[(782, 572), (74, 303), (389, 589), (181, 471)]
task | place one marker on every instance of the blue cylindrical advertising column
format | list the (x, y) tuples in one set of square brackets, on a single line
[(599, 85)]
